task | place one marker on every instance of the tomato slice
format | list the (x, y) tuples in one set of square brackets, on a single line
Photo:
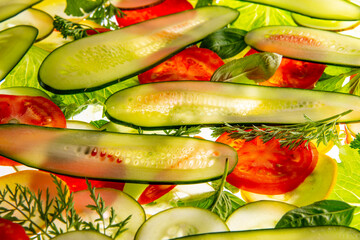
[(10, 230), (268, 168), (32, 110), (154, 192), (294, 73), (192, 63), (165, 8)]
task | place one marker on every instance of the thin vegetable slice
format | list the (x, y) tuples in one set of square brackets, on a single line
[(307, 44), (9, 8), (14, 43), (125, 157), (104, 59), (81, 235), (180, 103), (134, 4)]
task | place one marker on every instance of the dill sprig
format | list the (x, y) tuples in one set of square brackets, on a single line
[(71, 29), (44, 217), (291, 135)]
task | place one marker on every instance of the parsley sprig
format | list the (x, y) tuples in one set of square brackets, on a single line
[(291, 136), (71, 29), (44, 217)]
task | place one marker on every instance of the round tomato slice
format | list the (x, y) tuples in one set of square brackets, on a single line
[(192, 63), (11, 231), (294, 73), (164, 8), (268, 168)]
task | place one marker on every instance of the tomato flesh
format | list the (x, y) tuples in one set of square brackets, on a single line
[(154, 192), (11, 231), (294, 73), (164, 8), (268, 168), (192, 63)]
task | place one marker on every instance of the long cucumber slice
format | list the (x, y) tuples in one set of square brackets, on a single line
[(9, 8), (325, 9), (14, 43), (308, 233), (116, 156), (33, 17), (212, 103), (82, 235), (99, 60)]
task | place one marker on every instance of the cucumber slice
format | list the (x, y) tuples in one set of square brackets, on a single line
[(180, 221), (99, 60), (33, 17), (306, 44), (14, 43), (258, 215), (325, 9), (134, 4), (82, 235), (166, 104), (24, 91), (126, 157), (9, 8), (331, 25), (75, 124), (308, 233)]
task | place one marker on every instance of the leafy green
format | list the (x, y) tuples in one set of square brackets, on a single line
[(99, 123), (347, 187), (79, 8), (255, 68), (322, 213), (68, 28), (227, 42), (339, 83), (355, 144), (203, 3)]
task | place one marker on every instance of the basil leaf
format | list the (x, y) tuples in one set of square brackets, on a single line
[(203, 3), (79, 8), (257, 67), (322, 213), (226, 42)]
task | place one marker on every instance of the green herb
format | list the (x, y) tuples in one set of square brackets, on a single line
[(291, 135), (70, 29), (203, 3), (226, 42), (44, 217), (252, 69), (99, 123), (355, 144), (322, 213), (183, 131)]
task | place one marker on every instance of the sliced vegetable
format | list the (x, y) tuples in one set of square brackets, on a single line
[(258, 215), (33, 17), (13, 7), (166, 104), (154, 192), (317, 186), (14, 43), (309, 233), (123, 205), (24, 91), (268, 168), (164, 8), (75, 124), (326, 9), (180, 221), (120, 54), (134, 4), (10, 230), (82, 235), (125, 157), (193, 63), (331, 25), (302, 43)]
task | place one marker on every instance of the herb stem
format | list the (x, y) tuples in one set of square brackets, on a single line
[(221, 187)]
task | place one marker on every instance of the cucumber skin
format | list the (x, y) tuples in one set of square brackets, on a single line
[(189, 37), (320, 45), (308, 233), (8, 14), (119, 109), (67, 151)]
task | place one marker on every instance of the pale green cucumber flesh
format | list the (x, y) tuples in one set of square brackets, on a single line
[(324, 9), (24, 91), (308, 233), (14, 43), (33, 17), (9, 8), (182, 103), (331, 25), (103, 59), (307, 44), (81, 235), (180, 221), (116, 156)]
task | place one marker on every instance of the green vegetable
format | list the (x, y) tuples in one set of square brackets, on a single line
[(82, 235), (13, 7), (69, 28)]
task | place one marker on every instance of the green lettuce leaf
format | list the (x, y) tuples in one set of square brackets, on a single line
[(347, 186)]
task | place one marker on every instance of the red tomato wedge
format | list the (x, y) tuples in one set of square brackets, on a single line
[(11, 231), (267, 168), (294, 73), (32, 110), (154, 192), (192, 63), (165, 8)]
